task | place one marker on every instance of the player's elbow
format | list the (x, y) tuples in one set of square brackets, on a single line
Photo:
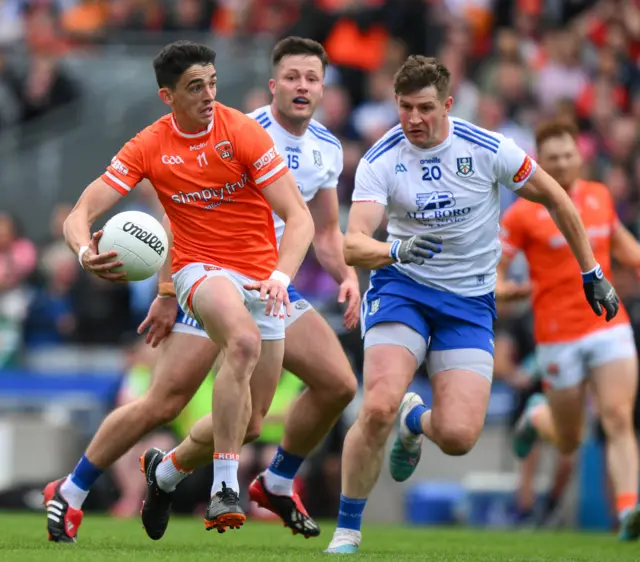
[(77, 215), (349, 250)]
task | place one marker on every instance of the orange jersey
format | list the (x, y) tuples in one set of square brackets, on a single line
[(561, 312), (210, 185)]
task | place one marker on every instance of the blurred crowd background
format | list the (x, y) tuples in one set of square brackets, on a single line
[(76, 82)]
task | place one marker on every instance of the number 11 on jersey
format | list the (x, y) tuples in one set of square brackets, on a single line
[(202, 159)]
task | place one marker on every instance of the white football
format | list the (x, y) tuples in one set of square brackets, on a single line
[(141, 243)]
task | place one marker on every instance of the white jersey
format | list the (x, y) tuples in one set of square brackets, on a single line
[(450, 190), (315, 158)]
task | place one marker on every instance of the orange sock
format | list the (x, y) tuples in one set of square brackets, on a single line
[(625, 502), (172, 458)]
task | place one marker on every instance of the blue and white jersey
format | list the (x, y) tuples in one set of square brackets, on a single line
[(315, 158), (451, 190)]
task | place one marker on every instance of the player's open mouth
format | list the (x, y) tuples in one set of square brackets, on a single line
[(301, 100), (207, 110)]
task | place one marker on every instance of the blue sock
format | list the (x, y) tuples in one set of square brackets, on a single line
[(350, 513), (285, 464), (413, 419), (85, 474)]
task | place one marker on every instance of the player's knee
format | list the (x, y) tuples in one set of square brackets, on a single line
[(165, 408), (455, 440), (616, 420), (244, 348), (344, 389), (569, 443), (379, 415), (254, 429)]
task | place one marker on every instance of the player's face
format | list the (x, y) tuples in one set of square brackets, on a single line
[(423, 116), (560, 157), (297, 86), (192, 99)]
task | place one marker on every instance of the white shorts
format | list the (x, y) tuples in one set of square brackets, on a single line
[(184, 324), (188, 279), (567, 364)]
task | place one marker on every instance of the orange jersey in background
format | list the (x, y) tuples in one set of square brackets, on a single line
[(210, 185), (560, 308)]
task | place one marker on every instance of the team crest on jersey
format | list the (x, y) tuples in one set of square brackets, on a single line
[(317, 158), (374, 306), (465, 167), (225, 150)]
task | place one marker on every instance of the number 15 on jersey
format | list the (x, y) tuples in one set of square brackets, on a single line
[(292, 161)]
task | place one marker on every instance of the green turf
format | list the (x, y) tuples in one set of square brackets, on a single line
[(23, 538)]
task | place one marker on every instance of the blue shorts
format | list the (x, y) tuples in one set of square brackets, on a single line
[(186, 325), (445, 320)]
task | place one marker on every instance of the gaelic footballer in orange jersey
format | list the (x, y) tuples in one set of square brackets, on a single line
[(210, 184), (218, 177), (574, 345), (555, 276)]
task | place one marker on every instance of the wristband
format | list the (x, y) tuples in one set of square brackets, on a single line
[(81, 252), (592, 275), (393, 250), (282, 277), (166, 290)]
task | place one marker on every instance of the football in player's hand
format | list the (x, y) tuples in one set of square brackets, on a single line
[(141, 243)]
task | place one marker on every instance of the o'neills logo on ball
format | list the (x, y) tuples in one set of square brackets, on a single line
[(148, 238)]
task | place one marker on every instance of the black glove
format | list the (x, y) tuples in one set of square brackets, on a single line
[(600, 293), (416, 249)]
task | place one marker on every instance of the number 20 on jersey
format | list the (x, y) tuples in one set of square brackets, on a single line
[(431, 173)]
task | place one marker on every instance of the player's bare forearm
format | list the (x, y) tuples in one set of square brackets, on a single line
[(568, 221), (360, 248), (542, 188), (328, 245), (164, 275), (625, 248), (296, 239), (363, 251), (77, 229), (95, 200), (503, 267), (285, 199)]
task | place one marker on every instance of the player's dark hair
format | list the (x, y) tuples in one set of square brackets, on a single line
[(292, 45), (175, 58), (420, 72), (554, 129)]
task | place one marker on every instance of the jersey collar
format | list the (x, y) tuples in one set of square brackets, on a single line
[(444, 144), (191, 135), (281, 129)]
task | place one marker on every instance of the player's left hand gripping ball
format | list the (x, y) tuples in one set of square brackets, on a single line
[(600, 293)]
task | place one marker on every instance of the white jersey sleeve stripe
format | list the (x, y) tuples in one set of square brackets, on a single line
[(491, 142), (118, 181), (270, 174), (477, 131), (325, 138), (397, 138), (468, 136), (323, 131), (382, 141)]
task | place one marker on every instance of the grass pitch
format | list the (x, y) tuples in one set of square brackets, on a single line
[(102, 539)]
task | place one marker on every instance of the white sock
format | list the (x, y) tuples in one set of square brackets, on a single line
[(169, 474), (345, 536), (74, 495), (278, 485), (225, 469)]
